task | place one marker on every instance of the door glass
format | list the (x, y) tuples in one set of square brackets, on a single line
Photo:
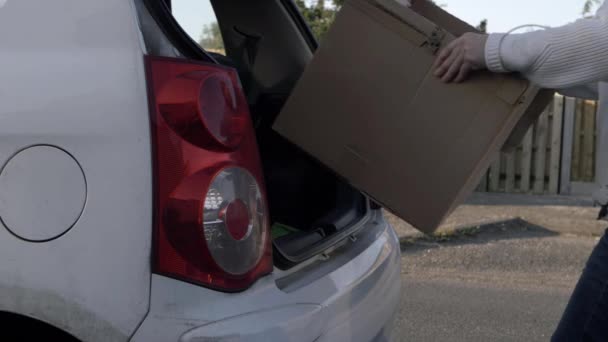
[(197, 18), (319, 14)]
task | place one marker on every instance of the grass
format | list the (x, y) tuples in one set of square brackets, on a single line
[(444, 236)]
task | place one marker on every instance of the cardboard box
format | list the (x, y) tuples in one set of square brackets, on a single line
[(369, 107)]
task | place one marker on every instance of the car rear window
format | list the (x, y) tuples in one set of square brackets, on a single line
[(319, 14), (198, 20)]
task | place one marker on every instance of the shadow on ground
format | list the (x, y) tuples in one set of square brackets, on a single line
[(516, 228)]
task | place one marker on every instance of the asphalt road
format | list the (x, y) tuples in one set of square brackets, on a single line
[(506, 282)]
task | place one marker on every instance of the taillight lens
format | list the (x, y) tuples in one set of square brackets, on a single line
[(211, 219), (204, 108), (234, 220)]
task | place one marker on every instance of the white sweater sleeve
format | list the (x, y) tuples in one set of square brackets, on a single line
[(588, 91), (562, 57)]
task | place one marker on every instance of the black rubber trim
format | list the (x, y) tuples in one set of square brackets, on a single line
[(161, 12), (301, 23)]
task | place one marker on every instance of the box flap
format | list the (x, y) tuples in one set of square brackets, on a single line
[(417, 35), (437, 14), (405, 15)]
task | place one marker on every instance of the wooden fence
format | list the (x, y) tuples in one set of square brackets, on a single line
[(558, 149), (584, 142)]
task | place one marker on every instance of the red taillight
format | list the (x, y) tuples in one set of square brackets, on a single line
[(211, 220)]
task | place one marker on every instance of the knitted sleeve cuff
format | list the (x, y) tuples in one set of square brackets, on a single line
[(492, 52)]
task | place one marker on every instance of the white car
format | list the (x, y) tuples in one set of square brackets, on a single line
[(145, 197)]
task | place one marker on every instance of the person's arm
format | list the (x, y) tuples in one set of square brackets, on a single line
[(587, 91), (564, 57), (558, 58)]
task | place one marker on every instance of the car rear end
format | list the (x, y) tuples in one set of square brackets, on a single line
[(225, 215), (212, 253), (348, 294), (194, 220)]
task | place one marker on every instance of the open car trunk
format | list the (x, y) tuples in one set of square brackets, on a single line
[(268, 43), (311, 208)]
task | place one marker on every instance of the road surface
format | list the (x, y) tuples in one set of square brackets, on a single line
[(504, 282)]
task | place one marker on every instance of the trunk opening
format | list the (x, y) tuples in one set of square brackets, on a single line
[(311, 208)]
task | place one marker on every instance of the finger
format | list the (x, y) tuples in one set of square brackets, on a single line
[(445, 53), (465, 69), (445, 66), (454, 68)]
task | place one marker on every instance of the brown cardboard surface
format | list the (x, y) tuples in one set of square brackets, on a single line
[(458, 27), (370, 109)]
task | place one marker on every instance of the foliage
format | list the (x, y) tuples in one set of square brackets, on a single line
[(483, 26), (319, 15), (211, 38), (589, 5)]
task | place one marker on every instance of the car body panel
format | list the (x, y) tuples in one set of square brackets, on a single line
[(352, 298), (73, 77)]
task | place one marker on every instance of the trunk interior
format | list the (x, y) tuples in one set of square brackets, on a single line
[(311, 208), (268, 43)]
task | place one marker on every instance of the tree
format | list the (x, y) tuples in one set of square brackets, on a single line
[(589, 5), (211, 38), (483, 26), (319, 15)]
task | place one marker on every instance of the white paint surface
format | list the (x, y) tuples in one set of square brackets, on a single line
[(42, 193), (349, 303), (73, 76)]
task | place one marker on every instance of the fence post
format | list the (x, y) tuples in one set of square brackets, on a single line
[(541, 152), (556, 144), (510, 171), (526, 161), (483, 183), (567, 143), (495, 175), (588, 157)]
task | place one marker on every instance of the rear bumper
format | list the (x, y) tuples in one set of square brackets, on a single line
[(351, 294)]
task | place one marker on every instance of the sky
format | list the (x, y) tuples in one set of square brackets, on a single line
[(502, 15), (193, 15)]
